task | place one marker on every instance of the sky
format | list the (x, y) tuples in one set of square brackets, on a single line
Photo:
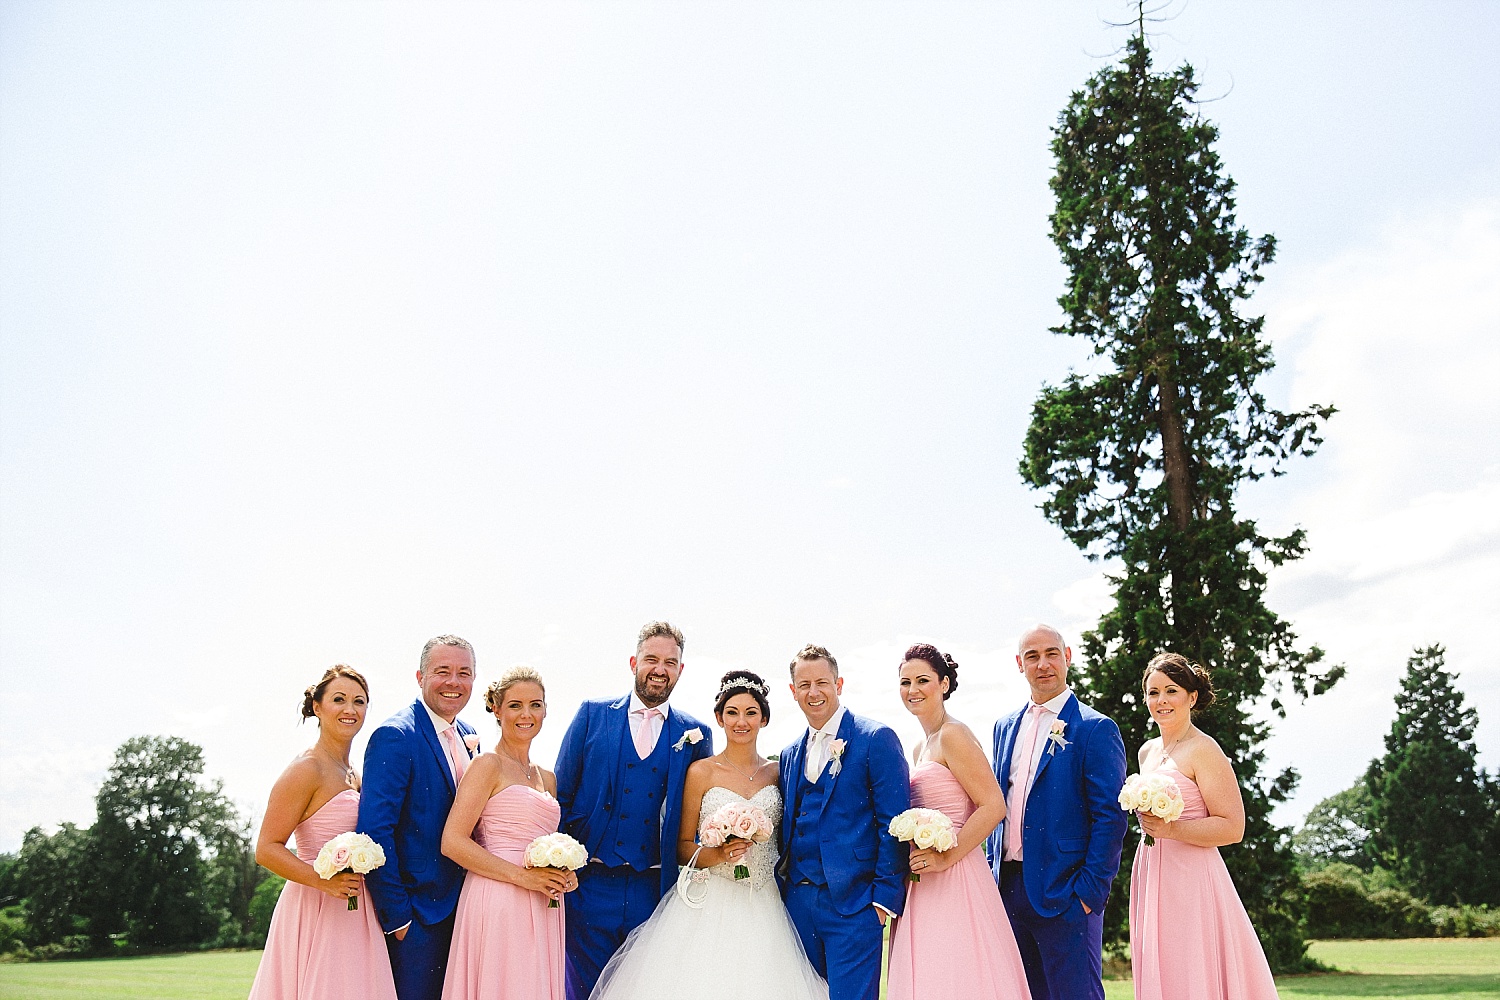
[(328, 327)]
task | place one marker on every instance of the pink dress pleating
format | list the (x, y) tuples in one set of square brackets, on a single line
[(1190, 938), (318, 948), (507, 943), (954, 938)]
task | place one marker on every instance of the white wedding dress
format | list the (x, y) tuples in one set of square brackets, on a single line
[(740, 941)]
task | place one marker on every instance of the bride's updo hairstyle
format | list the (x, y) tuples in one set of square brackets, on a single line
[(314, 692), (494, 695), (942, 664), (743, 682), (1185, 674)]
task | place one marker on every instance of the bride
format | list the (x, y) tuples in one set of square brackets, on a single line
[(713, 917)]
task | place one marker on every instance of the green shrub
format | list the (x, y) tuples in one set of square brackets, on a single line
[(12, 929), (262, 905), (1344, 902)]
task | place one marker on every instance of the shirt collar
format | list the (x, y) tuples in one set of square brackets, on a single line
[(831, 727), (638, 707), (1055, 705), (438, 722)]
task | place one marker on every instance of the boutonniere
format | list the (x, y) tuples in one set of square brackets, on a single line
[(1055, 737), (689, 738), (471, 740), (836, 753)]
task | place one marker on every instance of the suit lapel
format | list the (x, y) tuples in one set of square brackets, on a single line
[(1069, 716), (1007, 749), (424, 726), (845, 733)]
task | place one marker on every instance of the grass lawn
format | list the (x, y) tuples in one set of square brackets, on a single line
[(216, 975), (1371, 970)]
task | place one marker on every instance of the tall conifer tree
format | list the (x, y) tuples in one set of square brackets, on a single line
[(1141, 456), (1432, 810)]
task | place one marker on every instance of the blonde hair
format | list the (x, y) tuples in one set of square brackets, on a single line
[(495, 693)]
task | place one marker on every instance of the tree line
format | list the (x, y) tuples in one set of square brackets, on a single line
[(167, 864), (1411, 849)]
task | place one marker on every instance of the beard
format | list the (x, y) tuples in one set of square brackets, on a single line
[(649, 699)]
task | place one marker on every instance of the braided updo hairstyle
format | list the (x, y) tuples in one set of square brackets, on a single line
[(314, 692), (743, 682), (1185, 674), (942, 664)]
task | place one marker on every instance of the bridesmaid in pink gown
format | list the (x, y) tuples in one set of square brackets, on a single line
[(318, 948), (1190, 938), (954, 938), (507, 940)]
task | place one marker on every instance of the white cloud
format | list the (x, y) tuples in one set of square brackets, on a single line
[(1402, 507)]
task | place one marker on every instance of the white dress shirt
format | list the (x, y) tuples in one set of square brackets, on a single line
[(818, 741), (1022, 771)]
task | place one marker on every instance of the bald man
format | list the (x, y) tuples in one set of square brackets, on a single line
[(1061, 766)]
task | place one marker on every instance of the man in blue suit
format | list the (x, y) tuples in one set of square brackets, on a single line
[(412, 766), (620, 773), (842, 874), (1061, 766)]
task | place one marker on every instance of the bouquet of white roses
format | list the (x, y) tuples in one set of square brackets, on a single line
[(927, 828), (349, 852), (736, 819), (1154, 793), (556, 850)]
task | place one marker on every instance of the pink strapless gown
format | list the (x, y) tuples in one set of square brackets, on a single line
[(507, 943), (318, 948), (1190, 938), (954, 939)]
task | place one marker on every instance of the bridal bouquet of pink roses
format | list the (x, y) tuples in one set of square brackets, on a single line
[(556, 850), (349, 852), (1154, 793), (736, 819), (927, 828)]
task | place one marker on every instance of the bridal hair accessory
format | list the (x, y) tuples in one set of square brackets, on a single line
[(692, 736), (743, 682)]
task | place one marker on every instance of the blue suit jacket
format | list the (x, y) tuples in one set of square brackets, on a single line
[(408, 790), (862, 862), (588, 761), (1074, 827)]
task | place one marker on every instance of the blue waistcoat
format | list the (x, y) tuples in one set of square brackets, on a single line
[(806, 847), (633, 835)]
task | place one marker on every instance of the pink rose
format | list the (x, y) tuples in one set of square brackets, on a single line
[(712, 836), (744, 826), (341, 859)]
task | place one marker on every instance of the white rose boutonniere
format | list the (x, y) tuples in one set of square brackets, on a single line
[(836, 755), (471, 740), (690, 738), (1055, 737)]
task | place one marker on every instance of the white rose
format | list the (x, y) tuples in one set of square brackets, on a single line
[(926, 835), (557, 856), (361, 859), (1161, 803), (944, 840)]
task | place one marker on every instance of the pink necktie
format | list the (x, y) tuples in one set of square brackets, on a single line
[(644, 744), (456, 754), (1018, 808)]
